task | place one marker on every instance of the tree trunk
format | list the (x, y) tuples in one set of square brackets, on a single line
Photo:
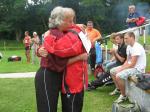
[(44, 23), (18, 35)]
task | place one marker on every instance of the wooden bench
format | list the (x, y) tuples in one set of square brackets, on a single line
[(138, 95)]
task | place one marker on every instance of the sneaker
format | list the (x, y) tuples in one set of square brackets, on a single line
[(90, 87), (109, 83), (115, 92), (121, 99)]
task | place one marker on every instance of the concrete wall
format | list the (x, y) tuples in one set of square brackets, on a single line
[(136, 94)]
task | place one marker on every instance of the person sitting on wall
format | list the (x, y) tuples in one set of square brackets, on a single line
[(135, 64), (120, 57)]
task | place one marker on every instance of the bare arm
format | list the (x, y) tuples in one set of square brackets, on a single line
[(42, 52), (128, 20), (132, 20), (98, 37), (132, 64), (117, 56), (80, 57), (112, 58)]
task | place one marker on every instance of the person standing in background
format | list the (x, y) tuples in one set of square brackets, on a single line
[(27, 42), (35, 45), (133, 16), (93, 34)]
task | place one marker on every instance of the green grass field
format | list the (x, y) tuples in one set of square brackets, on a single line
[(18, 95), (20, 66)]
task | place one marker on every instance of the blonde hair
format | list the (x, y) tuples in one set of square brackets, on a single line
[(113, 35)]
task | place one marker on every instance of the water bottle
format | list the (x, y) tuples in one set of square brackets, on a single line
[(98, 50)]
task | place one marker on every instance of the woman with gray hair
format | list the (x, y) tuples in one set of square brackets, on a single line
[(67, 54), (35, 44)]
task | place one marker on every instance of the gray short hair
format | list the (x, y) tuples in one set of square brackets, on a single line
[(132, 6), (58, 14), (34, 33)]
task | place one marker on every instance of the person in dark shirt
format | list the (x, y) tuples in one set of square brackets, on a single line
[(120, 57), (133, 16)]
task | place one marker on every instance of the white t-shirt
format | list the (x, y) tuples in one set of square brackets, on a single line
[(137, 50)]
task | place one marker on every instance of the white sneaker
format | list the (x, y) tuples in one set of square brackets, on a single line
[(121, 99), (115, 92)]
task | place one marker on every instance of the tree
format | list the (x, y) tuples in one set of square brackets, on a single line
[(17, 16), (12, 16)]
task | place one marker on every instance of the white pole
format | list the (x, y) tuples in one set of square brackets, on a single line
[(106, 47), (144, 38), (131, 29), (106, 51), (4, 45)]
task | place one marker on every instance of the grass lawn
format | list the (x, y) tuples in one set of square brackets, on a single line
[(18, 95), (20, 66)]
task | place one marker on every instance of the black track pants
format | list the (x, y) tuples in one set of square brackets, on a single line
[(92, 58), (72, 102), (47, 86)]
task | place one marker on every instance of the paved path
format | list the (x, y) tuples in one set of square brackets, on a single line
[(18, 75)]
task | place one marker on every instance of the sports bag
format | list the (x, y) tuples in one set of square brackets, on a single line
[(140, 21), (98, 71), (144, 84), (103, 79), (14, 58)]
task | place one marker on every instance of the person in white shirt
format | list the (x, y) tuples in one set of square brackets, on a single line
[(134, 65), (35, 45)]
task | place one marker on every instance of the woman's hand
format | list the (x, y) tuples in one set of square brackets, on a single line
[(83, 56), (82, 26), (43, 52)]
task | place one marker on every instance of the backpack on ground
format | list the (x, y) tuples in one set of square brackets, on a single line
[(125, 107), (98, 71), (14, 58), (103, 79)]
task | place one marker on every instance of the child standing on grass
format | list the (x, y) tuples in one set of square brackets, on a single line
[(27, 42), (35, 45)]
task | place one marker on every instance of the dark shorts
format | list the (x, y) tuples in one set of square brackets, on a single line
[(27, 48)]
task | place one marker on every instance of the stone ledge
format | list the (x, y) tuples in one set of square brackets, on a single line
[(136, 94)]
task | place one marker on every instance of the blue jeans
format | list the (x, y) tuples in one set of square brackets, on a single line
[(110, 64)]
